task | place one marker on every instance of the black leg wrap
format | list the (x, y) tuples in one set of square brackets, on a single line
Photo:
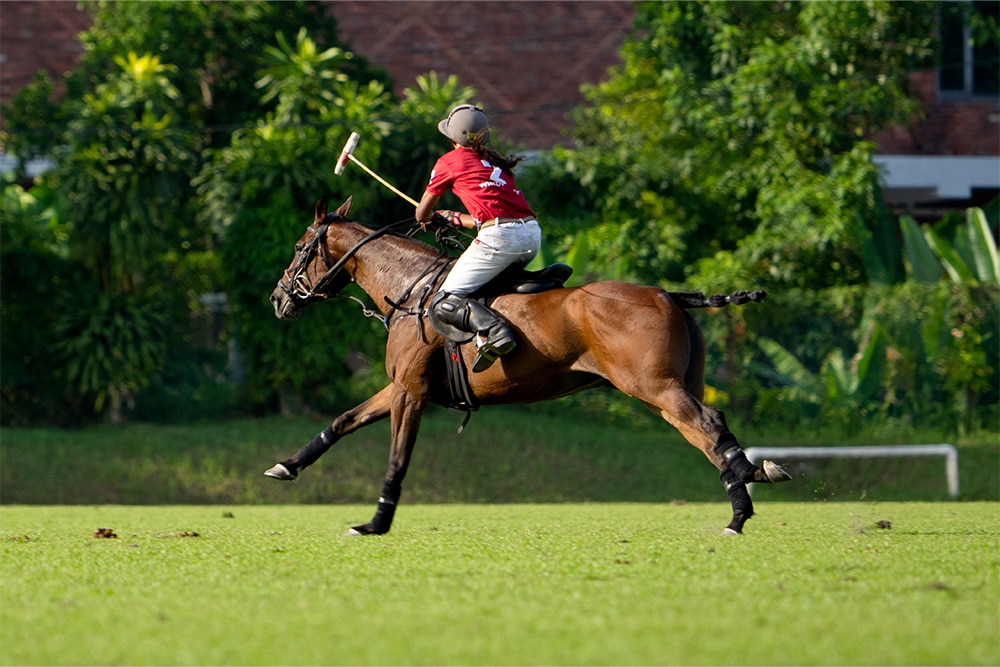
[(315, 448), (734, 457), (738, 494), (391, 492), (382, 521), (386, 510), (739, 497)]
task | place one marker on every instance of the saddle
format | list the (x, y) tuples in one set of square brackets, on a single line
[(516, 279), (512, 280)]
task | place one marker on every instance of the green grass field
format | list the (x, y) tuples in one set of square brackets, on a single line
[(539, 536), (607, 583)]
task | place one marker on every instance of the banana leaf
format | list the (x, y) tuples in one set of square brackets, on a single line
[(803, 383), (984, 248), (949, 256), (924, 264)]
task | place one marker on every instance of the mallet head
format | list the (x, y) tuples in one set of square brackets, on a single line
[(352, 143)]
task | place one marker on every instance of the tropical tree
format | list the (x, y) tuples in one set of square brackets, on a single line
[(731, 143), (219, 46), (157, 85), (926, 347), (259, 191), (124, 170), (35, 270)]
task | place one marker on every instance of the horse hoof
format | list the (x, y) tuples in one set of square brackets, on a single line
[(726, 532), (279, 471), (364, 529), (774, 472)]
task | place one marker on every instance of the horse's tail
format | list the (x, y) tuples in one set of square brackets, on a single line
[(699, 300)]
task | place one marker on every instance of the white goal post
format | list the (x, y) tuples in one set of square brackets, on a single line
[(755, 454)]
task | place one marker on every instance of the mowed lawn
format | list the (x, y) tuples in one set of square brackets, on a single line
[(820, 583)]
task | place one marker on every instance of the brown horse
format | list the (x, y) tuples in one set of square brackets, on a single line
[(640, 340)]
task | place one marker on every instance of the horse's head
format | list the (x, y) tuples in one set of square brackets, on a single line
[(308, 279)]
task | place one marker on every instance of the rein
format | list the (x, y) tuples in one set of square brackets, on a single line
[(336, 268)]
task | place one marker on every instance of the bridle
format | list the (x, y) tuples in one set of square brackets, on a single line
[(297, 285)]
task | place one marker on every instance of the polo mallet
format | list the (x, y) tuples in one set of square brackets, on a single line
[(348, 154)]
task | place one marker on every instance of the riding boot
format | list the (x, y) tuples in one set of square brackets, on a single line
[(494, 337)]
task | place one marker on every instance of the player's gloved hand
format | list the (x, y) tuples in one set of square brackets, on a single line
[(436, 222), (453, 217)]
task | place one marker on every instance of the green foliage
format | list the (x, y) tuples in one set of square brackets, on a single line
[(124, 171), (985, 261), (29, 119), (919, 351), (139, 111), (880, 250), (736, 130), (111, 348), (925, 353), (843, 388), (219, 46), (35, 272), (965, 250), (924, 265)]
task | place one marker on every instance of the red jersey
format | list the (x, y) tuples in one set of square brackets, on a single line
[(486, 191)]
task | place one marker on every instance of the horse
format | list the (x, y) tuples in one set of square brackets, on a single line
[(639, 339)]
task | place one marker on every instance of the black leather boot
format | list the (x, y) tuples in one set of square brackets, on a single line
[(493, 335)]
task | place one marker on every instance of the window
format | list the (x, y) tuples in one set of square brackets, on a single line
[(970, 54)]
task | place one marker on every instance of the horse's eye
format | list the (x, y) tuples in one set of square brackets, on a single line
[(299, 246)]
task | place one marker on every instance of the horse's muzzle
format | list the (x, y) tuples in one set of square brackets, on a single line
[(284, 306)]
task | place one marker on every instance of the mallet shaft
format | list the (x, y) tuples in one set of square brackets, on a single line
[(382, 180)]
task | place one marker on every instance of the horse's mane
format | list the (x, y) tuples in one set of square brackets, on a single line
[(334, 218)]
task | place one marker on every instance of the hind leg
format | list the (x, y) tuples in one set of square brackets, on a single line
[(705, 428)]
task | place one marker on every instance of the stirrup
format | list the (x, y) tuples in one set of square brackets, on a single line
[(489, 351)]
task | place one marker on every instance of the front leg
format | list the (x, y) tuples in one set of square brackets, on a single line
[(407, 411), (374, 409)]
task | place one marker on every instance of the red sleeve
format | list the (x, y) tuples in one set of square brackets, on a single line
[(442, 176)]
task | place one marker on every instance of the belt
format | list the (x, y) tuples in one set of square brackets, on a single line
[(499, 221)]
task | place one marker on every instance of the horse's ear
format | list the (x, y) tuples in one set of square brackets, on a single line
[(320, 212), (345, 208)]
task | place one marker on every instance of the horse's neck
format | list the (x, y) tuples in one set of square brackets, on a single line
[(386, 266)]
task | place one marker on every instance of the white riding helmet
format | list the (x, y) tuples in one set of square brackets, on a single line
[(462, 121)]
